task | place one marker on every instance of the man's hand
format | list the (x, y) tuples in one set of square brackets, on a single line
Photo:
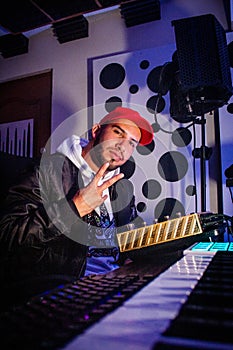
[(91, 196)]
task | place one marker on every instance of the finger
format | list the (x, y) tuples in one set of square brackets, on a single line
[(100, 173)]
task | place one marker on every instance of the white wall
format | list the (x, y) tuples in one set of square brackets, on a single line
[(107, 35)]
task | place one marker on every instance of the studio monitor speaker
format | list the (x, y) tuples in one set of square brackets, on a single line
[(204, 76)]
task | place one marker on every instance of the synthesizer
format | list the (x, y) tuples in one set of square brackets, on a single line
[(180, 301), (173, 302), (183, 308)]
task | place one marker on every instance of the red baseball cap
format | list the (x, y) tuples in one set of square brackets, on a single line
[(146, 129)]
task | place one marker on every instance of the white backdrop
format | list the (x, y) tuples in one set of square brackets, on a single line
[(123, 80)]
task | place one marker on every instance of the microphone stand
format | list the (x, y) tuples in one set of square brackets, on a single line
[(203, 164), (204, 154)]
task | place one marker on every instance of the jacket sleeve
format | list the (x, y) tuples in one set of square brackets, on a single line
[(39, 229)]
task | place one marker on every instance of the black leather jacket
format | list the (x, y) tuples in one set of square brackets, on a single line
[(41, 232)]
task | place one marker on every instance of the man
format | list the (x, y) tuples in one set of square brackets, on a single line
[(53, 222)]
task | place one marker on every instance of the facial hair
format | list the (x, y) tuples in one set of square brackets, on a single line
[(97, 154)]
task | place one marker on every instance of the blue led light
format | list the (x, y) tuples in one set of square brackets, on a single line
[(217, 246), (203, 246), (213, 246)]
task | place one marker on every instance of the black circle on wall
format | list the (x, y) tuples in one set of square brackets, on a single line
[(153, 79), (141, 207), (133, 89), (181, 137), (147, 149), (172, 166), (112, 76), (168, 207), (191, 190), (113, 102), (151, 189), (230, 108), (144, 64), (128, 168), (155, 104)]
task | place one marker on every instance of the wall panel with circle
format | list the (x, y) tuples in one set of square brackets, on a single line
[(162, 172)]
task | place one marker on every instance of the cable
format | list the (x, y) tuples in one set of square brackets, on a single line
[(194, 166)]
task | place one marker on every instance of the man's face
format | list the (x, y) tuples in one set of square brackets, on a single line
[(115, 143)]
